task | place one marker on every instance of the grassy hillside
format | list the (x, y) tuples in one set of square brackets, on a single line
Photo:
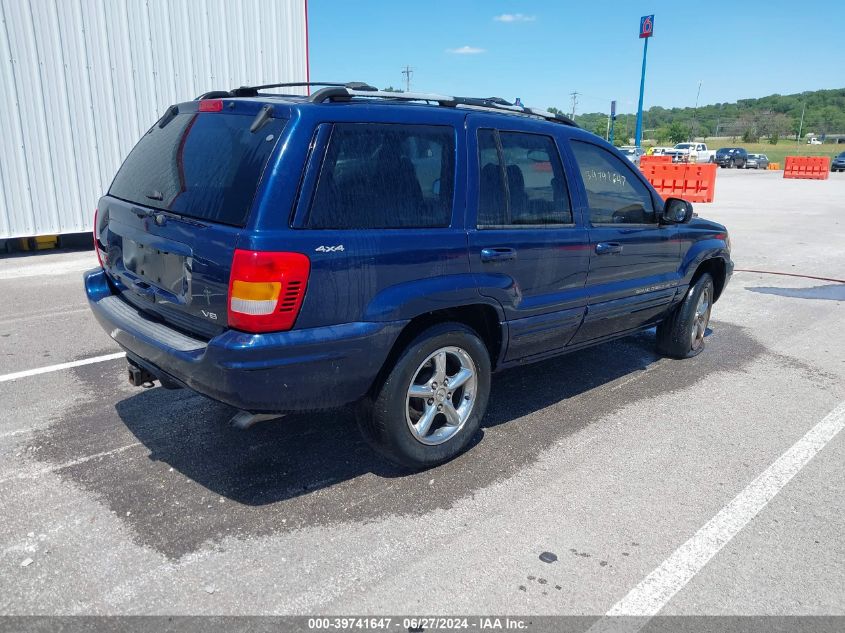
[(748, 119)]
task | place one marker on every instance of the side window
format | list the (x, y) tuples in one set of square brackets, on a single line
[(492, 196), (614, 193), (385, 176), (521, 181)]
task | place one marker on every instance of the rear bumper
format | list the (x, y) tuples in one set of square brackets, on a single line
[(299, 370)]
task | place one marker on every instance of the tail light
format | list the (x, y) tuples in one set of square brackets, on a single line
[(266, 290), (98, 245)]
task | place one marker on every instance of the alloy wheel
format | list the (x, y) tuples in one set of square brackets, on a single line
[(442, 395)]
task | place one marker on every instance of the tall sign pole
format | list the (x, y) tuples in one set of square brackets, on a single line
[(612, 121), (646, 31)]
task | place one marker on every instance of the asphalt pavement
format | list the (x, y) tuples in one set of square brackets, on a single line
[(719, 479)]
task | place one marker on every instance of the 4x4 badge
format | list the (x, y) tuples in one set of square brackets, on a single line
[(330, 249)]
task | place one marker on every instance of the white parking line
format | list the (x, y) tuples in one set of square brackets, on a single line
[(651, 595), (76, 462), (56, 313), (46, 370)]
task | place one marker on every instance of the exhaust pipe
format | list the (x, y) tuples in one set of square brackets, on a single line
[(140, 377), (244, 419)]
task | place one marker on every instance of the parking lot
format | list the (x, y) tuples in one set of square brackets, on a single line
[(118, 500)]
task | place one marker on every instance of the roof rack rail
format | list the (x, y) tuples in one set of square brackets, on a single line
[(252, 91), (345, 92)]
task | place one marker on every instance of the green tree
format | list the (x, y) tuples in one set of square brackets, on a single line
[(677, 132), (600, 129)]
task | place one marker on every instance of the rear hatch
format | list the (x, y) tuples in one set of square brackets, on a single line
[(168, 227)]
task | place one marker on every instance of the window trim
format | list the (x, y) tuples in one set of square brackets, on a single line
[(588, 219), (503, 170)]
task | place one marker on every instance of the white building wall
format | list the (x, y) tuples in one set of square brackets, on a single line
[(82, 80)]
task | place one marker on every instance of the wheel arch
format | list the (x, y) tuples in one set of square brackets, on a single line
[(718, 270), (483, 318)]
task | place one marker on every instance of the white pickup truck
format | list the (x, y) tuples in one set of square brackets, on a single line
[(692, 153)]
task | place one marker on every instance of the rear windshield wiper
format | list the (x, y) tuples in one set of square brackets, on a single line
[(263, 116), (155, 195)]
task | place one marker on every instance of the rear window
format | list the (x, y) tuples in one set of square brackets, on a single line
[(385, 176), (201, 165)]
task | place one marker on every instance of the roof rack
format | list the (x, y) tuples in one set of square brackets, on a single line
[(346, 92), (252, 91)]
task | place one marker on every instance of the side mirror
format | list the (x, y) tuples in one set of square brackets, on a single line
[(676, 211)]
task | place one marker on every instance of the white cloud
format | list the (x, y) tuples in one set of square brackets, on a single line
[(515, 17), (465, 50)]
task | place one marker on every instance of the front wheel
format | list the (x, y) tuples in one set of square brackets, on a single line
[(732, 164), (431, 403), (681, 334)]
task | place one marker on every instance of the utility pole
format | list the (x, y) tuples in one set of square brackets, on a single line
[(408, 72), (695, 111), (719, 119), (574, 96), (801, 126)]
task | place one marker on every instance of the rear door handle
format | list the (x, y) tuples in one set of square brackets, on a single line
[(608, 248), (497, 254)]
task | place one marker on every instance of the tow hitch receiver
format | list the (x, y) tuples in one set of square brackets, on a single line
[(139, 377)]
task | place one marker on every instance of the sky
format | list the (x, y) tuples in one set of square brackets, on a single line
[(542, 51)]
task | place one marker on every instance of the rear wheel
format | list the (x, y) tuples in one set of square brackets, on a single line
[(681, 334), (431, 403)]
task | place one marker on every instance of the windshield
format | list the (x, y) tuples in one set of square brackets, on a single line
[(683, 146), (200, 165)]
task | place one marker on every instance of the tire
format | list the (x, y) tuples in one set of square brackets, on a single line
[(711, 160), (391, 419), (731, 164), (681, 334)]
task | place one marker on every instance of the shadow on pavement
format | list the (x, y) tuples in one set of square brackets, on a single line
[(831, 292), (197, 480)]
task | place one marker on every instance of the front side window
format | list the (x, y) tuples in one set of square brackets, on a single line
[(385, 176), (521, 181), (614, 192)]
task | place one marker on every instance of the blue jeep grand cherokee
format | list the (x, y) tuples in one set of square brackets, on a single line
[(284, 253)]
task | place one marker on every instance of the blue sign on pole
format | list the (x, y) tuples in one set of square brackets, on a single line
[(646, 26), (646, 31)]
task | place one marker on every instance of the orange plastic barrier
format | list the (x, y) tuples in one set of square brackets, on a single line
[(810, 167), (774, 166), (647, 160), (692, 182)]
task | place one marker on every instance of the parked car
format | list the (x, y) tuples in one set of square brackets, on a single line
[(633, 153), (814, 141), (691, 153), (660, 151), (731, 157), (282, 253), (838, 163), (757, 161)]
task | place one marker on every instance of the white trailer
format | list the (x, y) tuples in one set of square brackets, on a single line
[(82, 80)]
